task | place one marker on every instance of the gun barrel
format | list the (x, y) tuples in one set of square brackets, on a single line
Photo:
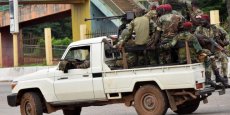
[(102, 18)]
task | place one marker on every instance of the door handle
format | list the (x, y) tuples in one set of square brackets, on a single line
[(85, 75), (62, 78)]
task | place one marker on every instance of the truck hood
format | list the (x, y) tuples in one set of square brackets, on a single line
[(45, 73)]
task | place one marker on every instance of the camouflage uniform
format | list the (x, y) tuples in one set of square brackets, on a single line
[(179, 42), (194, 15), (167, 24), (141, 26), (210, 33)]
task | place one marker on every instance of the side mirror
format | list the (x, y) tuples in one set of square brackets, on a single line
[(63, 66)]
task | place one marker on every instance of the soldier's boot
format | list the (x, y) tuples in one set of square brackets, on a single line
[(209, 81), (220, 79), (226, 80)]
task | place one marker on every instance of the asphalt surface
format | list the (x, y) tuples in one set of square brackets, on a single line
[(218, 105)]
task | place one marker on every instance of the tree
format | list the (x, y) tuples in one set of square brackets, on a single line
[(228, 8)]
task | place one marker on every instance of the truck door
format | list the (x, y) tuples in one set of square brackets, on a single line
[(75, 82)]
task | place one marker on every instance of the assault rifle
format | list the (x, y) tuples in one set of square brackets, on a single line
[(203, 40), (127, 16)]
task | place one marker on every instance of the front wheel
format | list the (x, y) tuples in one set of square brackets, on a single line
[(188, 107), (74, 111), (150, 100), (31, 104)]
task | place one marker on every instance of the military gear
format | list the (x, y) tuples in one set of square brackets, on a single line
[(179, 42), (168, 25), (141, 27)]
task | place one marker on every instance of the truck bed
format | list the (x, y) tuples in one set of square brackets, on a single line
[(167, 77)]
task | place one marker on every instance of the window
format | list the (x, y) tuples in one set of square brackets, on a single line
[(81, 53)]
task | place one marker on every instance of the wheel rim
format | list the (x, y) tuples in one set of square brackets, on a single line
[(149, 102), (28, 108)]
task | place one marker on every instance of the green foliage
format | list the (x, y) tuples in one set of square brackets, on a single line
[(59, 46), (66, 41), (207, 5), (60, 29)]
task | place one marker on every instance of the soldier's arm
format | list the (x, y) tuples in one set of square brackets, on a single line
[(84, 65), (202, 39), (169, 44), (196, 44), (225, 36)]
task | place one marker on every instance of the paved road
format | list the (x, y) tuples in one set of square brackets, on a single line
[(218, 105)]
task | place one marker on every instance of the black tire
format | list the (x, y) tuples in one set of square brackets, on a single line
[(75, 111), (188, 107), (150, 100), (31, 104)]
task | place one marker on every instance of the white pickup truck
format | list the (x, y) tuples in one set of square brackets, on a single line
[(151, 90)]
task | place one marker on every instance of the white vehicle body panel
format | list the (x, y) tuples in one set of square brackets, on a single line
[(168, 77)]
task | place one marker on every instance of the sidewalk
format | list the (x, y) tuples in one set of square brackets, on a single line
[(8, 74)]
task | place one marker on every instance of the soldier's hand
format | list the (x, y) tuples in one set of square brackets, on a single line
[(201, 57)]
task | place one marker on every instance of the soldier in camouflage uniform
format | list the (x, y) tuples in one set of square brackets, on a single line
[(167, 25), (141, 26), (206, 35), (195, 12), (197, 54), (179, 42)]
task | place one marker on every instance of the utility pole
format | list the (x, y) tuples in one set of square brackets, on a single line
[(14, 28)]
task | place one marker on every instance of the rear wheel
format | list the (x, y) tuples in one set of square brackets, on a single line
[(188, 107), (74, 111), (31, 104), (149, 100)]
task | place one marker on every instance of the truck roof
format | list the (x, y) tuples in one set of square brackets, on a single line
[(88, 41)]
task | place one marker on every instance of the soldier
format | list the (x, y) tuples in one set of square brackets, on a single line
[(207, 38), (167, 28), (190, 51), (179, 41), (85, 64), (195, 11), (141, 26)]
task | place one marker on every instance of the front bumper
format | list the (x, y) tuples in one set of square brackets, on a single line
[(12, 100)]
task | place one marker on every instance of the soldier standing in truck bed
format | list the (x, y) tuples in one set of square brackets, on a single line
[(141, 27), (167, 28)]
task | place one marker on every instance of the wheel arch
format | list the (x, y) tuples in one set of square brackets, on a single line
[(34, 90), (142, 83)]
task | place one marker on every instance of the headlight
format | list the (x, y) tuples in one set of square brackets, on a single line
[(13, 84)]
